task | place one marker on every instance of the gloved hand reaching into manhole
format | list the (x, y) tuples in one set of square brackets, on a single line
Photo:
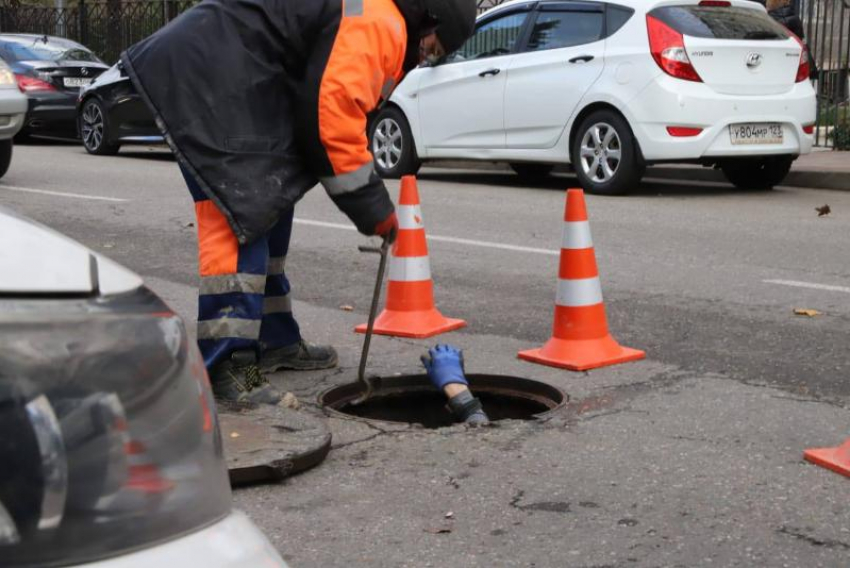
[(444, 364)]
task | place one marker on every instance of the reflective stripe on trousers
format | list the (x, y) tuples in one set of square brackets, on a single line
[(244, 298)]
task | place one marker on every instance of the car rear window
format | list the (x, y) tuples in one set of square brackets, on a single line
[(37, 50), (720, 22), (554, 30)]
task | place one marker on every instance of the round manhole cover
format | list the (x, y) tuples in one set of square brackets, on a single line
[(413, 399)]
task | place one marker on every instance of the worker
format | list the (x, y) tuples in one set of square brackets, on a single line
[(445, 368), (260, 100)]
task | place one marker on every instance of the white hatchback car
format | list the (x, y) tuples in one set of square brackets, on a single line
[(609, 87), (110, 452)]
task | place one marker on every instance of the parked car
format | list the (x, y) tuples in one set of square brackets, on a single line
[(110, 451), (13, 106), (49, 71), (609, 87), (111, 113)]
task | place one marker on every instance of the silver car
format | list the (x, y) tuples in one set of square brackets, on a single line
[(110, 451), (13, 107)]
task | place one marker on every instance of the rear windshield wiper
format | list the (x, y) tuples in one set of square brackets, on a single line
[(762, 35)]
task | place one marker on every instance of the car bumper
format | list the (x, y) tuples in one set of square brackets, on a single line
[(672, 102), (234, 542), (13, 107)]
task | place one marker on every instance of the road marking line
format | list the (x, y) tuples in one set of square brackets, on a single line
[(811, 285), (441, 239), (62, 194)]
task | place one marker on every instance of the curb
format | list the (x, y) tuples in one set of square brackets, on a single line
[(800, 178)]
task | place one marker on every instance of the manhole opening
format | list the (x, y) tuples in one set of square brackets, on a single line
[(412, 399)]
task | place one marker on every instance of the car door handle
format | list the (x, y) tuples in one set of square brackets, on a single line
[(493, 72), (582, 58)]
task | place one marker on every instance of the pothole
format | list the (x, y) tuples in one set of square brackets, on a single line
[(412, 399)]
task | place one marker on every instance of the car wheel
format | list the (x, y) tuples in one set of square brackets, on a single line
[(94, 130), (757, 173), (605, 154), (532, 171), (392, 145), (5, 156)]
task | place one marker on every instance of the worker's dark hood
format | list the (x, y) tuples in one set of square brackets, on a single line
[(417, 20), (455, 21)]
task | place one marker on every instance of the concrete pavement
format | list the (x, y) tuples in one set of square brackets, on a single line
[(690, 458)]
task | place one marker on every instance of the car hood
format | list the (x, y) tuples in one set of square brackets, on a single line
[(37, 261)]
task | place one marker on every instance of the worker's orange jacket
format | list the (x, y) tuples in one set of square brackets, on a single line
[(260, 99)]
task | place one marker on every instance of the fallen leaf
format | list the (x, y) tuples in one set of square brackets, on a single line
[(347, 308), (234, 434), (450, 515), (189, 225), (806, 312), (439, 530), (822, 211), (289, 400)]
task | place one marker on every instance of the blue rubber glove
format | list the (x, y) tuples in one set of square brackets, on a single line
[(444, 365)]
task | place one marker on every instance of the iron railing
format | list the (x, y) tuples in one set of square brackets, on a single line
[(107, 27)]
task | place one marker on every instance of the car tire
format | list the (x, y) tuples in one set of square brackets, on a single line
[(94, 129), (605, 154), (391, 144), (757, 173), (5, 156), (532, 171)]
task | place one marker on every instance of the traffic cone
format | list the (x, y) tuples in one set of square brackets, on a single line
[(580, 338), (836, 459), (410, 310)]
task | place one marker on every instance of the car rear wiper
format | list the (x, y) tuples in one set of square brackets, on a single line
[(762, 35)]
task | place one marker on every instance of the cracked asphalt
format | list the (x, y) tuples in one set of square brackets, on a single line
[(689, 458)]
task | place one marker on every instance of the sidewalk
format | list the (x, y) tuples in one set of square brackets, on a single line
[(822, 169)]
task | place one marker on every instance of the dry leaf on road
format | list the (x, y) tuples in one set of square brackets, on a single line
[(347, 308), (809, 313), (825, 210)]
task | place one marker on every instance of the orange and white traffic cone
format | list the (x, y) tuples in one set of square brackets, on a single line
[(580, 338), (836, 459), (410, 310)]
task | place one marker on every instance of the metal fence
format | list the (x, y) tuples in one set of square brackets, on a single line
[(107, 27), (827, 25)]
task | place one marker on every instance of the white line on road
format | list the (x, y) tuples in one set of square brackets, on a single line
[(62, 194), (441, 239), (811, 285)]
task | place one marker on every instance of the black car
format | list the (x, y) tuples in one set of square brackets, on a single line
[(50, 71), (111, 113)]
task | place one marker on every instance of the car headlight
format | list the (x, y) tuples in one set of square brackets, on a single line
[(7, 78), (108, 437)]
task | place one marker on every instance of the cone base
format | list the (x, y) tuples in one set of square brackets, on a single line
[(581, 355), (416, 325), (830, 458)]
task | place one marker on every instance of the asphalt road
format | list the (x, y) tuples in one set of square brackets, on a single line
[(691, 273), (690, 458)]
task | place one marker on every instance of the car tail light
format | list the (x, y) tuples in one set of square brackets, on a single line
[(716, 3), (107, 441), (31, 84), (668, 49), (803, 71), (683, 131), (809, 128)]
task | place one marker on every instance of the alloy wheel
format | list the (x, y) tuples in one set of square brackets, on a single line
[(92, 127), (600, 152), (387, 143)]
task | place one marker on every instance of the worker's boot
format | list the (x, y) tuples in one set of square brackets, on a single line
[(239, 379), (301, 356)]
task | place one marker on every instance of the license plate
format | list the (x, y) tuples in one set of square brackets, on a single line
[(76, 81), (756, 133)]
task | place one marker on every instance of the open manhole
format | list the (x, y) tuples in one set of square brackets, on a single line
[(413, 399)]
